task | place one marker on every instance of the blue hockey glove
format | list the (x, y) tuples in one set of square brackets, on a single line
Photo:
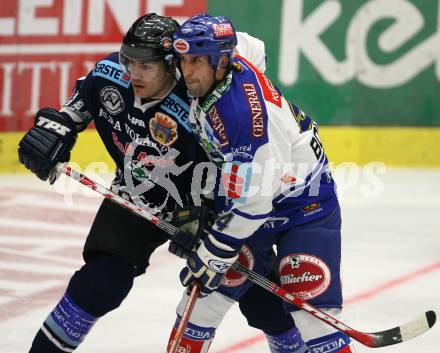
[(209, 264), (47, 143)]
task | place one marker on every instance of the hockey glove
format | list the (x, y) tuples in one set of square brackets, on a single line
[(209, 264), (47, 143), (192, 221)]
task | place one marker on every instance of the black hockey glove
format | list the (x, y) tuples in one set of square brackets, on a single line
[(47, 143), (192, 220), (209, 264)]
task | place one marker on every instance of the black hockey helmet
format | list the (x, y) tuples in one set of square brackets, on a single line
[(150, 38)]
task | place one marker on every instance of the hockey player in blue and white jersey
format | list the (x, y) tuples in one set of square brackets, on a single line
[(275, 188), (140, 107)]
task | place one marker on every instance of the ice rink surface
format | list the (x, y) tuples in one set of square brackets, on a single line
[(391, 264)]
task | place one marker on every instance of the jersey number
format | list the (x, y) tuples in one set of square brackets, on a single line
[(315, 143)]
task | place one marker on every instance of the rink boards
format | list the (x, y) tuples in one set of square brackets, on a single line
[(393, 146)]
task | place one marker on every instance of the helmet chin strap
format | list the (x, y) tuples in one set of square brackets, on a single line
[(216, 81)]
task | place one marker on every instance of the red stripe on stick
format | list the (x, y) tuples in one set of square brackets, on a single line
[(356, 298)]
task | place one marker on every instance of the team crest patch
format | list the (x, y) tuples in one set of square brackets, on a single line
[(233, 278), (311, 209), (163, 129), (313, 206), (237, 67), (112, 100), (166, 42), (305, 276)]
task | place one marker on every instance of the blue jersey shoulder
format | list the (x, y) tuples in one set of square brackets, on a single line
[(243, 111), (109, 69)]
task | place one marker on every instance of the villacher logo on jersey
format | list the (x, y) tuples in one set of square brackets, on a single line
[(305, 276)]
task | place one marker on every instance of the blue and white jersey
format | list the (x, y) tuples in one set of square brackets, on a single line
[(275, 174)]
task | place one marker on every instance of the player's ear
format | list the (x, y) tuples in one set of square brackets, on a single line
[(222, 67), (223, 63)]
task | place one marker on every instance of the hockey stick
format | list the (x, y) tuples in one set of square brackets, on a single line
[(108, 194), (389, 337), (185, 317)]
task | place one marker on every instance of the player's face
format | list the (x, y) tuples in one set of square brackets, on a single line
[(149, 79), (198, 74)]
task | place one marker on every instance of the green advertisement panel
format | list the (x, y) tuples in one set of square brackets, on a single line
[(350, 62)]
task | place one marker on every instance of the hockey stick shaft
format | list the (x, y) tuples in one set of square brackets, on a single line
[(195, 290), (286, 296), (395, 335), (108, 194), (389, 337)]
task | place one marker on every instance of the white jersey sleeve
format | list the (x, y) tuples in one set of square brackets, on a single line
[(253, 49), (285, 172)]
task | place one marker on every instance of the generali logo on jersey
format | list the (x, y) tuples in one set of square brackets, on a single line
[(60, 41), (255, 108)]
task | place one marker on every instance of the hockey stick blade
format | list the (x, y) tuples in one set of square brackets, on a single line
[(385, 338), (398, 334), (389, 337)]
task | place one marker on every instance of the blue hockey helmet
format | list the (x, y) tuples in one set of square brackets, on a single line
[(206, 35)]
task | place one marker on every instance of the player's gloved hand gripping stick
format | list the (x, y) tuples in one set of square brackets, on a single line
[(47, 143), (392, 336)]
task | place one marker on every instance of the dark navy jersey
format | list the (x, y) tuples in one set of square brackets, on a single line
[(151, 143)]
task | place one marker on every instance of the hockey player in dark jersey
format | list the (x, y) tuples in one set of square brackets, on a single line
[(140, 109), (276, 190)]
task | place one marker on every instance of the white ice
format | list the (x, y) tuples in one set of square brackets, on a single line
[(391, 254)]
